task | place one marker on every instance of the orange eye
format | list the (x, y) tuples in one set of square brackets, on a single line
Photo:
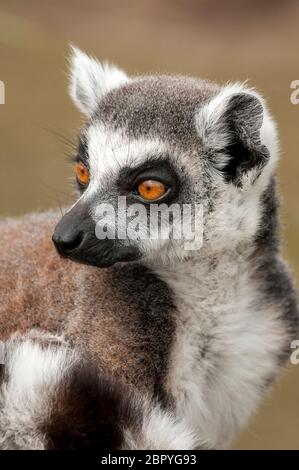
[(82, 173), (151, 190)]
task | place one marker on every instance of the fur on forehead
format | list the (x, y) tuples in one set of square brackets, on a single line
[(90, 80), (110, 150)]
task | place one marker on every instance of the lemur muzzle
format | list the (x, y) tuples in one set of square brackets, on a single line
[(74, 238)]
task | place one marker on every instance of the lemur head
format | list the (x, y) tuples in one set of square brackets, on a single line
[(156, 141)]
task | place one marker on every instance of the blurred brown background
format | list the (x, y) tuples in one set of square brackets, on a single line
[(220, 40)]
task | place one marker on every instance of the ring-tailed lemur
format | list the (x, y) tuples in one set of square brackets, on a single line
[(201, 332)]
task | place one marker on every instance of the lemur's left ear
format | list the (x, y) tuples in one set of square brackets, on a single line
[(238, 132), (90, 80)]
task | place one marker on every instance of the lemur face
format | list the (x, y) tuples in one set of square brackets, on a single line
[(156, 141)]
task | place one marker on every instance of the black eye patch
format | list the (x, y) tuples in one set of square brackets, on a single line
[(157, 169)]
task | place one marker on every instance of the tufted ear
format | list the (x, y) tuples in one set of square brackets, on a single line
[(90, 80), (237, 131)]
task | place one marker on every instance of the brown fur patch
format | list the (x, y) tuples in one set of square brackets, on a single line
[(123, 321)]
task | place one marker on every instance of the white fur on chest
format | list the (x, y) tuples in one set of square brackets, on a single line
[(224, 350)]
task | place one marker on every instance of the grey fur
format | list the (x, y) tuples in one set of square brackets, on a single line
[(154, 106)]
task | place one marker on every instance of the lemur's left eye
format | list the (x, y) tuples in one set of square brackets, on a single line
[(82, 173), (151, 190)]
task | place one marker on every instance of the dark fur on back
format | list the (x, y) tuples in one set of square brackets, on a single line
[(140, 322), (90, 412)]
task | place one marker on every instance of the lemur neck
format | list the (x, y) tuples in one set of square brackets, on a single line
[(209, 275)]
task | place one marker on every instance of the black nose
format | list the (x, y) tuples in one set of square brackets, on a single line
[(72, 231), (68, 243)]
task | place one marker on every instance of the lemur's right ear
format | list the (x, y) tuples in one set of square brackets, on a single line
[(90, 80), (237, 132)]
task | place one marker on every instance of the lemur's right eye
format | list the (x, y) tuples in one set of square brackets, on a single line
[(151, 190), (82, 173)]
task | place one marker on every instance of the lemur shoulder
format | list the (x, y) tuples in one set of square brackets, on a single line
[(199, 335)]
